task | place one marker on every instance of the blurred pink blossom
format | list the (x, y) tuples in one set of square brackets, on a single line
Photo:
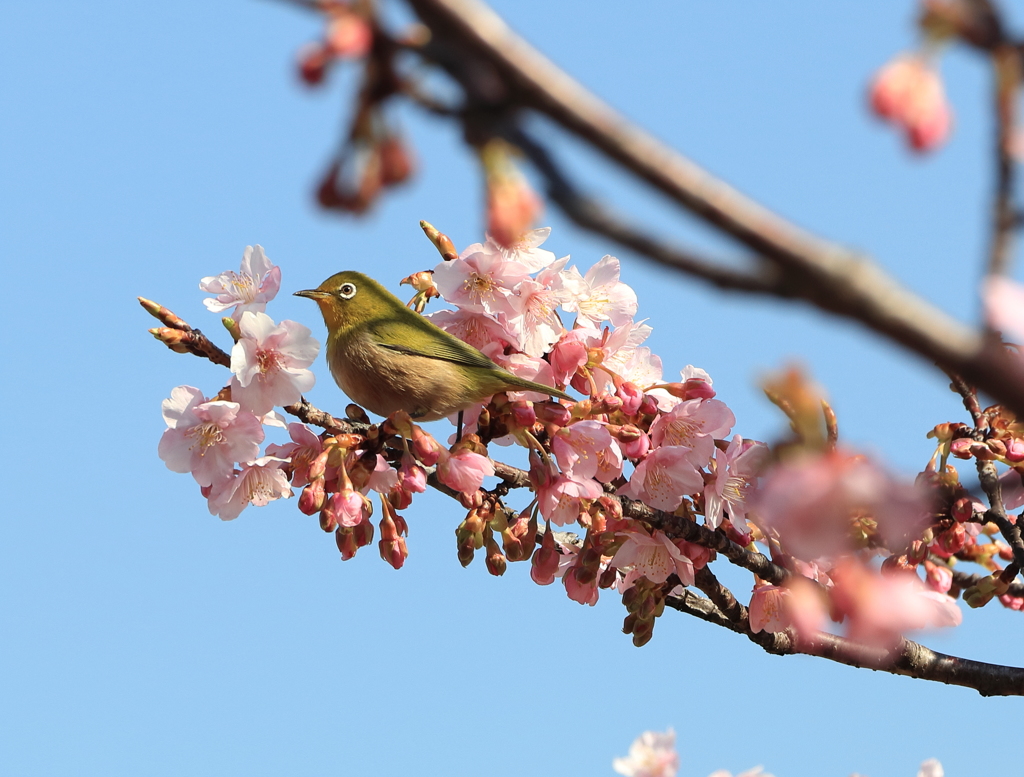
[(908, 92), (250, 289), (811, 503), (270, 362), (478, 329), (1003, 300), (881, 607)]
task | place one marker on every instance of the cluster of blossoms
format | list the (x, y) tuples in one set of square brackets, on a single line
[(649, 469), (653, 754)]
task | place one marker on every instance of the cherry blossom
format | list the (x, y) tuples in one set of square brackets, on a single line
[(348, 507), (736, 471), (482, 281), (538, 327), (259, 483), (654, 557), (695, 424), (270, 362), (768, 610), (464, 470), (526, 249), (599, 295), (579, 448), (478, 329), (250, 289), (652, 754), (304, 448), (664, 478), (561, 500), (207, 438)]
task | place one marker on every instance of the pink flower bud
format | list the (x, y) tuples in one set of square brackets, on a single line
[(396, 164), (951, 541), (312, 498), (692, 388), (425, 447), (584, 593), (962, 509), (1015, 450), (345, 538), (635, 448), (544, 564), (411, 476), (648, 406), (524, 414), (552, 413), (961, 448), (631, 397), (939, 577)]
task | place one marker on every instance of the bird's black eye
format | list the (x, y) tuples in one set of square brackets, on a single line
[(347, 291)]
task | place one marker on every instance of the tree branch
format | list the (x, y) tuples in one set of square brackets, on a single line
[(470, 41)]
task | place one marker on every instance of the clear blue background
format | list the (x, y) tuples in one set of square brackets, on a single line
[(144, 145)]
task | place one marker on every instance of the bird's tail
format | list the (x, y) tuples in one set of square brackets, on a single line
[(520, 384)]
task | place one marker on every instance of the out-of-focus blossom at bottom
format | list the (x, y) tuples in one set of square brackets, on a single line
[(652, 754), (931, 768), (757, 771)]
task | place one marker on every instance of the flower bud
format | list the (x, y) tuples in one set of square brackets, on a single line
[(425, 447), (420, 281), (648, 406), (313, 59), (962, 509), (1015, 450), (312, 498), (495, 560), (997, 447), (961, 448), (551, 412), (951, 541), (345, 538), (523, 414), (544, 564), (939, 577), (520, 537), (348, 35), (693, 388), (631, 397)]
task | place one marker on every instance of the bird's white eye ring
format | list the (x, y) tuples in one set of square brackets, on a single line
[(347, 291)]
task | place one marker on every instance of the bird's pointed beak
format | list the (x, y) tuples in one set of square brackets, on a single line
[(313, 294)]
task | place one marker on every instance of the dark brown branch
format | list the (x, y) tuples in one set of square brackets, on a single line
[(1007, 66), (910, 659), (470, 40), (589, 214)]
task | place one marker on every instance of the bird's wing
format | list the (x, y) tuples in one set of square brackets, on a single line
[(435, 344)]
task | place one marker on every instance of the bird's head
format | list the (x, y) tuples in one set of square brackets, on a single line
[(349, 298)]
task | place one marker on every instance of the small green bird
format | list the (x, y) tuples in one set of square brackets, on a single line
[(385, 357)]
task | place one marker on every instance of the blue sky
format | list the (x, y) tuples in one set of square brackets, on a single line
[(146, 144)]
